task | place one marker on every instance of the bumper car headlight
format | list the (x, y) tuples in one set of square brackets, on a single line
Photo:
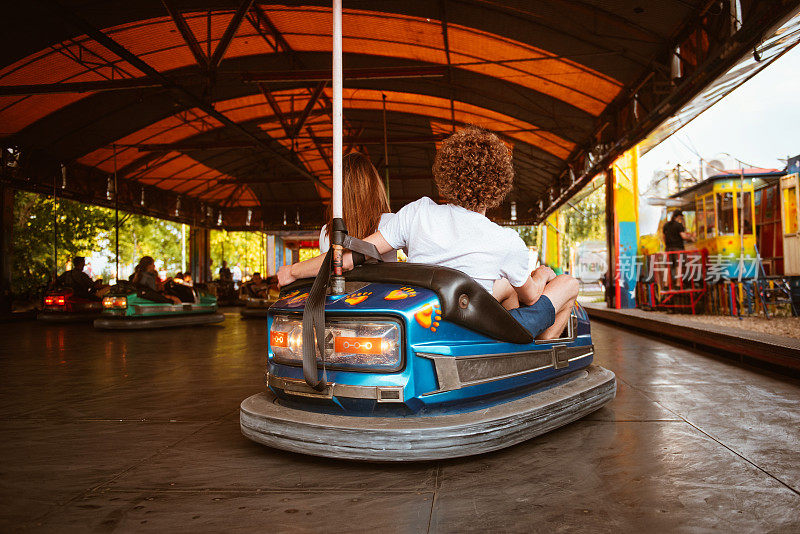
[(349, 344), (115, 303)]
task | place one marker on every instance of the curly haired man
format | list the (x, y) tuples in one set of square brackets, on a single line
[(473, 172)]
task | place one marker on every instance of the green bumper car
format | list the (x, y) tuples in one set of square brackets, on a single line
[(130, 307)]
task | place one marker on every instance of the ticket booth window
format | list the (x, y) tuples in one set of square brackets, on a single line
[(725, 213), (790, 204), (746, 211), (710, 216), (701, 219)]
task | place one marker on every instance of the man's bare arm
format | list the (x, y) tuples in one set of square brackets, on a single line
[(533, 288)]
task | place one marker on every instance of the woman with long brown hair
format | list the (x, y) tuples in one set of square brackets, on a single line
[(146, 276), (365, 207)]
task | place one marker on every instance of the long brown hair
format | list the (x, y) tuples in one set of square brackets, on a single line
[(141, 268), (363, 197)]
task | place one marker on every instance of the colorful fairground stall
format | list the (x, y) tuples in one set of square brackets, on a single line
[(746, 256)]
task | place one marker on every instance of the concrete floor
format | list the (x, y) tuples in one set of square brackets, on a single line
[(139, 432)]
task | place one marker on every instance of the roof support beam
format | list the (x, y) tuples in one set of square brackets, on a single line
[(320, 149), (301, 121), (260, 21), (182, 94), (384, 73), (227, 37), (186, 33), (276, 109), (323, 140), (79, 87)]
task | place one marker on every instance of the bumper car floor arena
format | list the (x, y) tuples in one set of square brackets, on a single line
[(139, 431)]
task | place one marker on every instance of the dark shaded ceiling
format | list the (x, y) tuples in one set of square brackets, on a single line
[(204, 108)]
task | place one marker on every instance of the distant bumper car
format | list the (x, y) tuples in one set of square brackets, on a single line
[(256, 308), (127, 307), (64, 306), (421, 363)]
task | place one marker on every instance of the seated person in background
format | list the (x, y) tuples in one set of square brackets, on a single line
[(80, 282), (473, 172), (187, 278), (146, 276), (225, 274), (274, 291), (255, 288)]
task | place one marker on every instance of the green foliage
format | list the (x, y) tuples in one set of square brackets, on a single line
[(528, 234), (586, 221), (84, 230), (245, 249), (78, 227), (146, 236)]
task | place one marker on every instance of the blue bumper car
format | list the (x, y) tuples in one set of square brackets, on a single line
[(420, 363)]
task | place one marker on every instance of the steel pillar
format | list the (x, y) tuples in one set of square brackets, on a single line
[(622, 219), (6, 241), (200, 251)]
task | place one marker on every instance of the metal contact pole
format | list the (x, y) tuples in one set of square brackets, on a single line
[(337, 235), (116, 217), (337, 109), (385, 148)]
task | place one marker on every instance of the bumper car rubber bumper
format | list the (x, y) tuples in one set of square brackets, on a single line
[(400, 439), (67, 317), (164, 321), (254, 313)]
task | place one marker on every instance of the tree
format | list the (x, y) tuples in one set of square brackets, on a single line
[(83, 230), (245, 249), (528, 235), (77, 227)]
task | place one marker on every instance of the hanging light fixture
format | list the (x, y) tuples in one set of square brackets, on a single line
[(219, 218), (177, 205), (284, 217), (736, 16), (513, 210), (297, 217), (110, 189), (63, 176), (675, 64), (141, 199), (249, 216)]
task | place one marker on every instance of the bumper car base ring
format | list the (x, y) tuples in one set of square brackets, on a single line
[(418, 438)]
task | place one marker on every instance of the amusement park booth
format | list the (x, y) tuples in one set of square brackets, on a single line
[(746, 252)]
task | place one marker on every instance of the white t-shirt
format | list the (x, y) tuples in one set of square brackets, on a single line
[(324, 242), (452, 236)]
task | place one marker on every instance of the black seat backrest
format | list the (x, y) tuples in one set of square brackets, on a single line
[(464, 301)]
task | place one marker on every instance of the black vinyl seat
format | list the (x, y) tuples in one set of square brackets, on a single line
[(463, 300)]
